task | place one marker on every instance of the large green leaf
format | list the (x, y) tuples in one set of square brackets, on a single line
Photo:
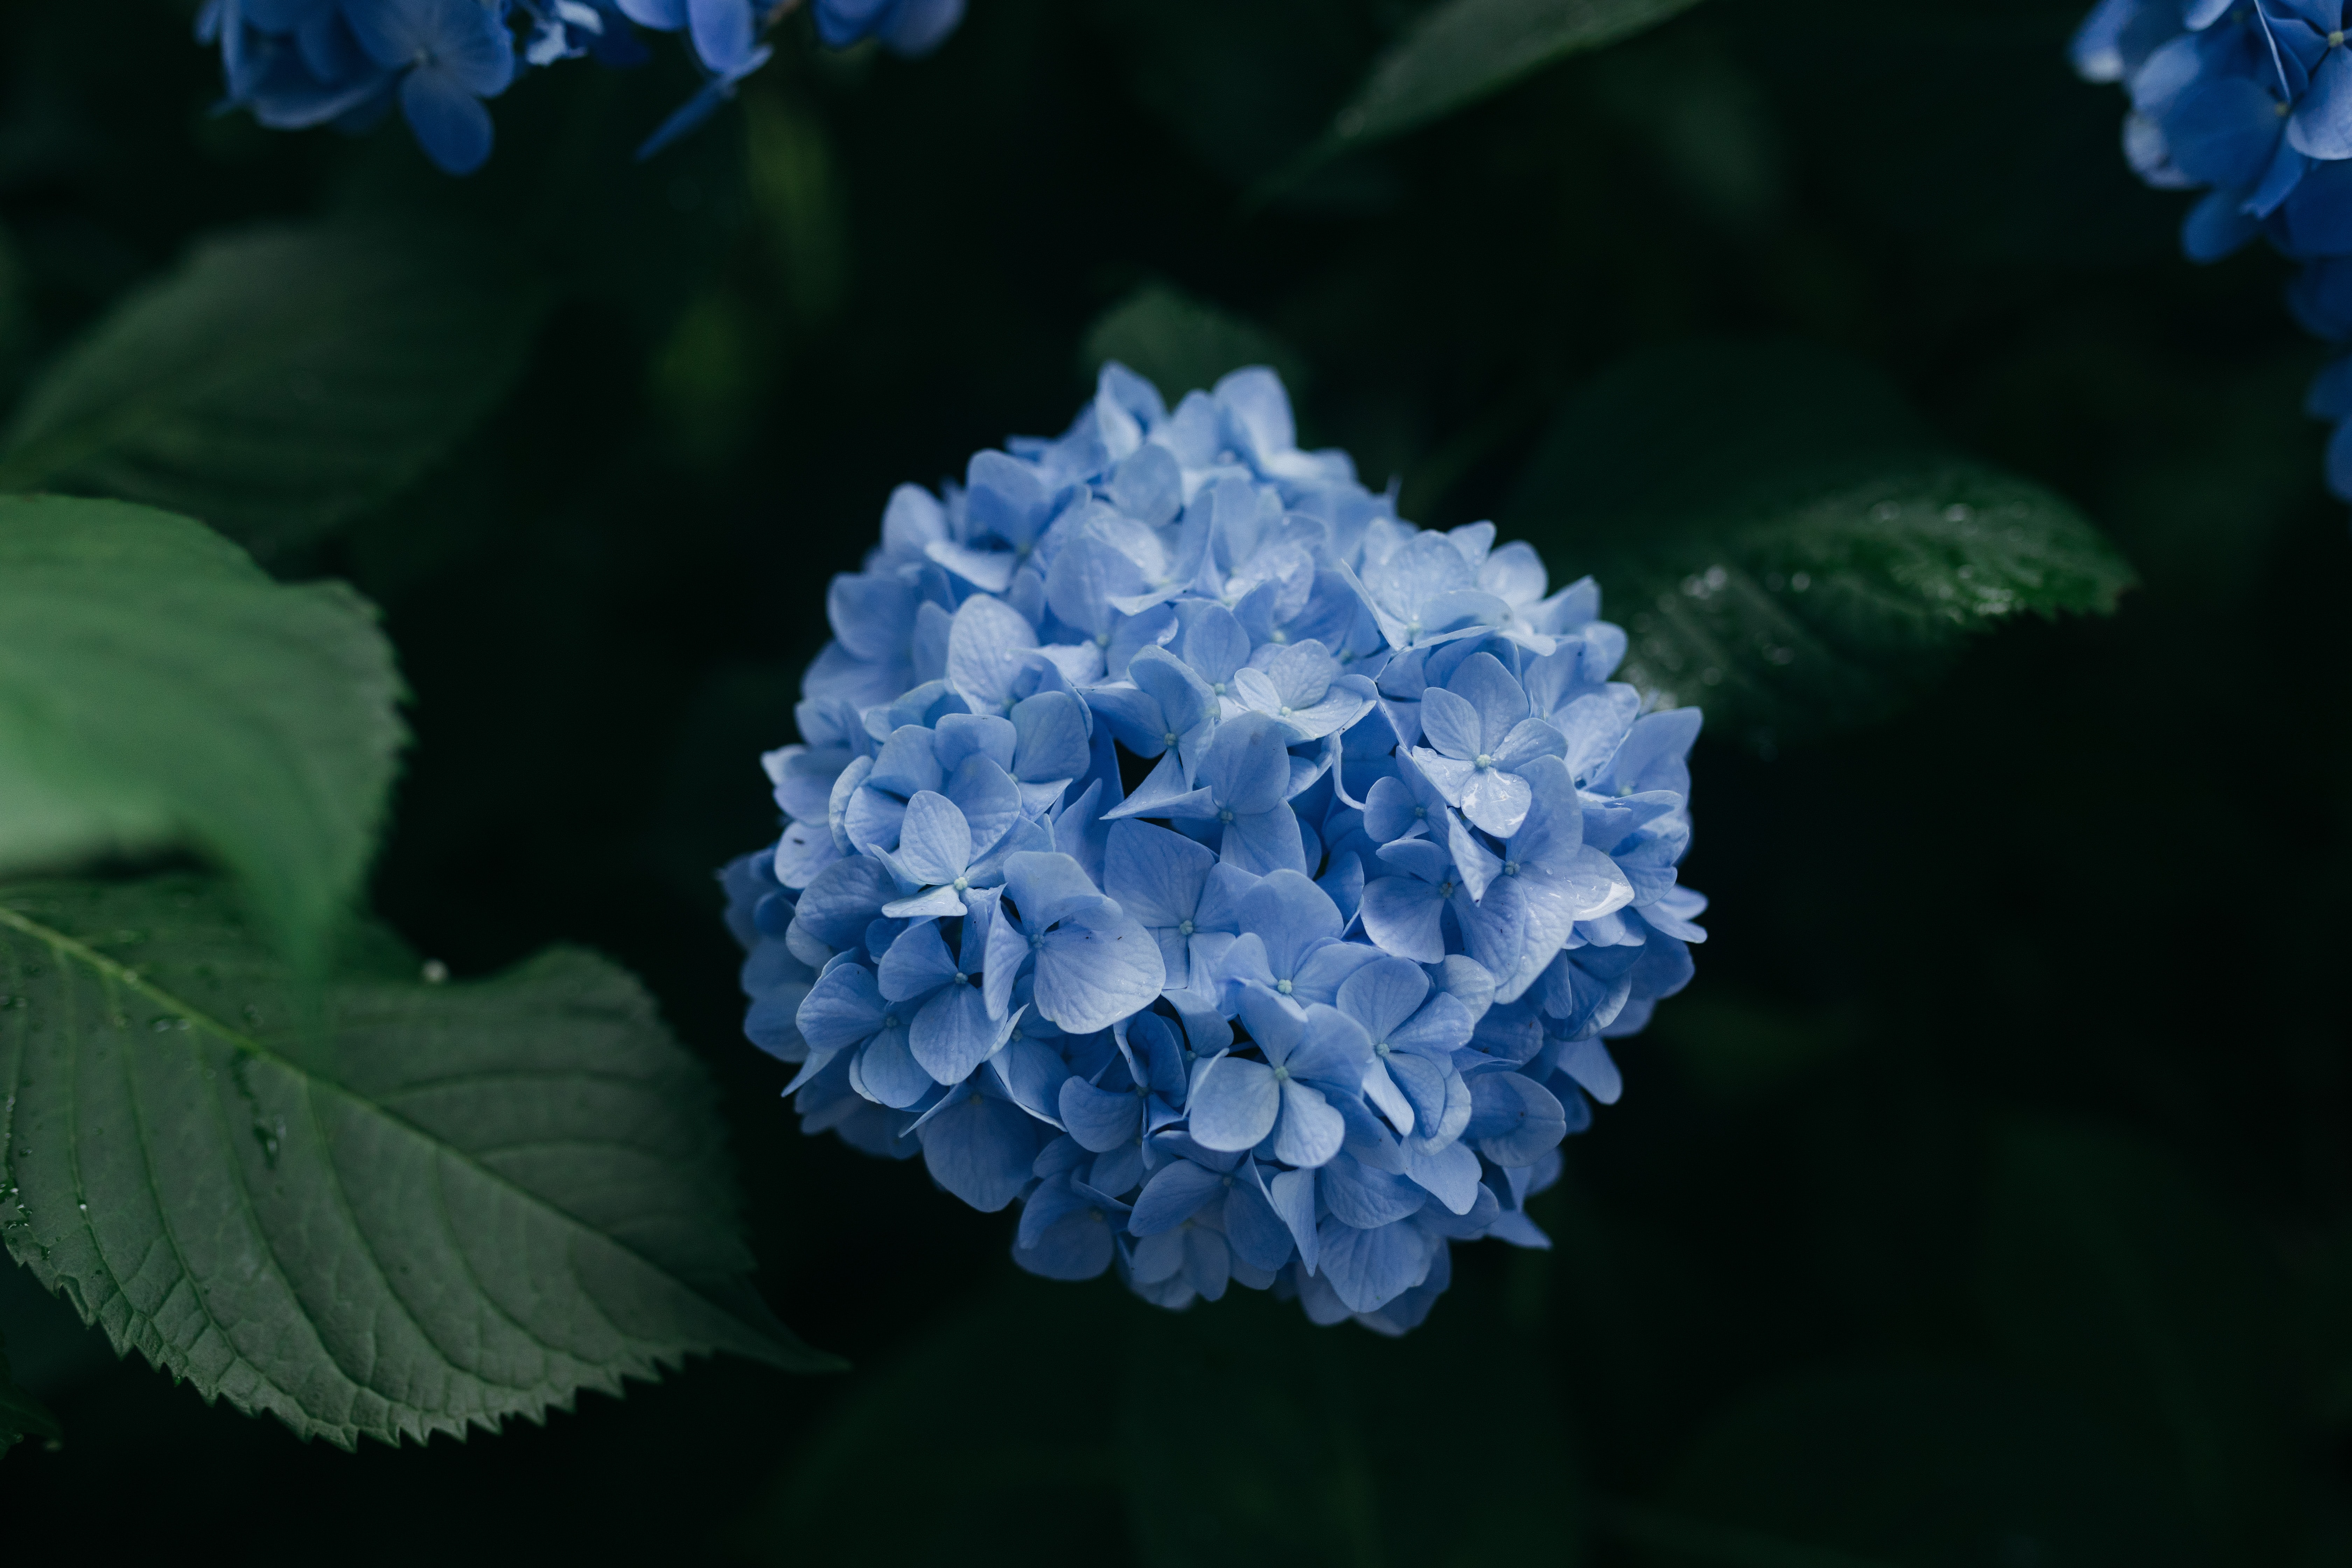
[(1788, 546), (1463, 51), (281, 380), (442, 1207), (157, 688), (21, 1414)]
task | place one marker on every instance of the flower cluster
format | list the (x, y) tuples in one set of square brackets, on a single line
[(2251, 101), (1239, 879), (300, 63)]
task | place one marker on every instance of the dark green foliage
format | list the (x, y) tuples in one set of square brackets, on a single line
[(281, 381), (1987, 1198), (1788, 546), (21, 1414), (1182, 344), (158, 690), (1233, 1432), (1459, 52), (434, 1207)]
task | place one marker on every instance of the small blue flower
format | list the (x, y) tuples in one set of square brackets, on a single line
[(301, 63), (1322, 995), (2251, 102)]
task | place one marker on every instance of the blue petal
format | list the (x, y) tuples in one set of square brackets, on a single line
[(1175, 1194), (1449, 1173), (1291, 1195), (1309, 1131), (1100, 1120), (1257, 1233), (1156, 875), (2222, 132), (1089, 976), (449, 121), (1363, 1197), (980, 1149), (1515, 1120), (953, 1033), (1233, 1104), (1291, 916), (1265, 842), (934, 841), (1369, 1269), (988, 645), (2322, 123)]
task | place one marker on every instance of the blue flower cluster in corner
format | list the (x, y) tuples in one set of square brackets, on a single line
[(2252, 101), (1238, 878), (300, 63)]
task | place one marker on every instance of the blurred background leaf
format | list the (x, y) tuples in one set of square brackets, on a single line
[(158, 691), (283, 381), (1787, 544), (21, 1414), (1459, 51), (1183, 345)]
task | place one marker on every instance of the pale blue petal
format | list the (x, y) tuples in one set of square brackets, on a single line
[(1514, 1120), (1369, 1269), (1309, 1131), (1091, 977), (1265, 842), (953, 1033), (1175, 1192), (1233, 1104)]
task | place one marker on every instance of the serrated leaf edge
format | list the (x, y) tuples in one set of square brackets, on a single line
[(790, 1356)]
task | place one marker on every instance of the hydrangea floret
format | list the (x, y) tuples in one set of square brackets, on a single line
[(1242, 880), (2251, 101), (301, 63)]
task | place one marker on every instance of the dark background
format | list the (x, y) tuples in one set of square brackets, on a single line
[(1986, 1199)]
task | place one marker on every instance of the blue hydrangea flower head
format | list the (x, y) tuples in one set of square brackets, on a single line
[(300, 63), (2251, 101), (1242, 880)]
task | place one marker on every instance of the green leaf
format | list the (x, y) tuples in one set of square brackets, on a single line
[(2108, 1270), (1181, 343), (282, 380), (1899, 1466), (157, 688), (1786, 545), (1463, 50), (444, 1207), (21, 1414)]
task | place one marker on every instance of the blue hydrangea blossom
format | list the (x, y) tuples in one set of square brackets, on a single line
[(2251, 101), (1241, 880), (300, 63)]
